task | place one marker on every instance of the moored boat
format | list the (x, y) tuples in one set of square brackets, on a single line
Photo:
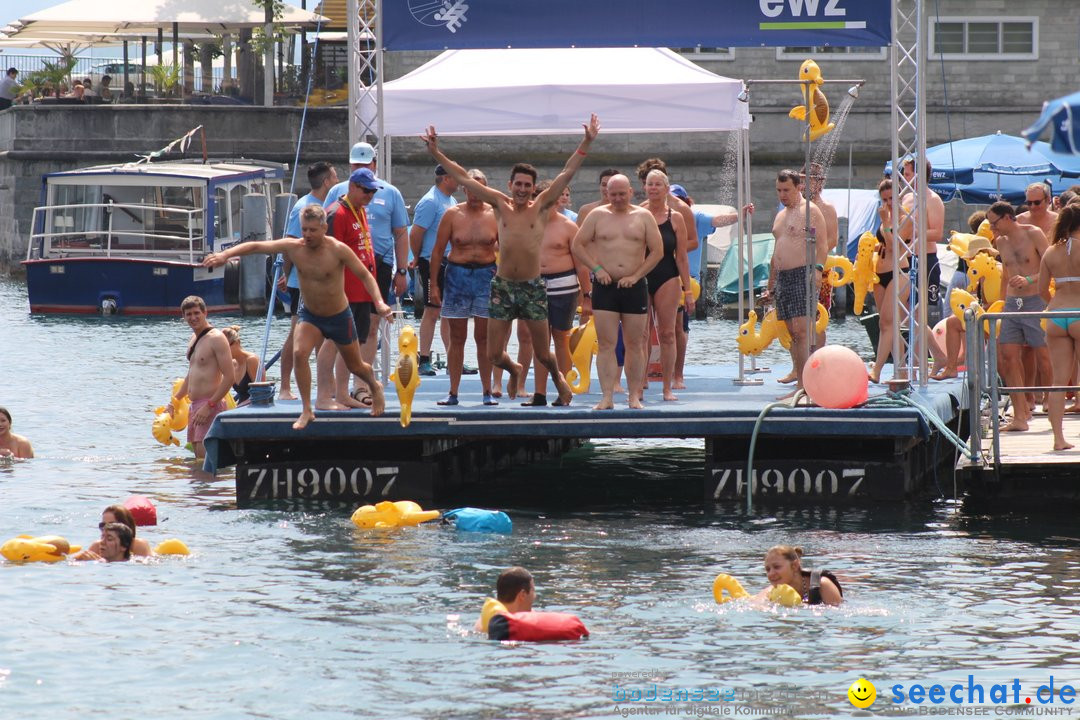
[(129, 239)]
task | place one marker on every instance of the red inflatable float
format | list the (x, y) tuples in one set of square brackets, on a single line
[(530, 626), (142, 509)]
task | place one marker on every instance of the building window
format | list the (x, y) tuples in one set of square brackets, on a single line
[(847, 53), (707, 53), (985, 38)]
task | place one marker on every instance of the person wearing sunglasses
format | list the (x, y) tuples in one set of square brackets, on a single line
[(1039, 213), (117, 514)]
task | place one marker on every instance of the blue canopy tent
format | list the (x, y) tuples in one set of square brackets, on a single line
[(991, 167), (1063, 117)]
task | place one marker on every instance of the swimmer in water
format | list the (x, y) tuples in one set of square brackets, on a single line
[(12, 446), (783, 566), (114, 546), (117, 514)]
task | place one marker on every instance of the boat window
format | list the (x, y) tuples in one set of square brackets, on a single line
[(221, 216), (236, 195), (76, 215)]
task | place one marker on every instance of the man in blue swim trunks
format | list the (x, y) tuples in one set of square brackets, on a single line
[(517, 291), (324, 310), (471, 232)]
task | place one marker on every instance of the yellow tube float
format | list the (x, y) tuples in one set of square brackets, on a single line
[(403, 513), (785, 595), (725, 583), (45, 548)]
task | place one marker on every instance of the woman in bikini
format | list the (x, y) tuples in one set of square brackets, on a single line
[(245, 364), (1062, 334), (891, 280), (670, 279)]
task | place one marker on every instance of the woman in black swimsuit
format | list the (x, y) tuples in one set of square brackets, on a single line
[(245, 364), (783, 566), (890, 282), (669, 281)]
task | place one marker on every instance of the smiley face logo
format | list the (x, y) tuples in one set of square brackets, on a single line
[(862, 693)]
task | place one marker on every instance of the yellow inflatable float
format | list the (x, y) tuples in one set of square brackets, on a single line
[(987, 269), (45, 548), (172, 546), (861, 274), (812, 96), (583, 346), (726, 588), (785, 595), (165, 422), (960, 300), (752, 341), (406, 375), (403, 513)]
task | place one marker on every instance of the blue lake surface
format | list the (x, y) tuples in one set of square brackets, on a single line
[(292, 612)]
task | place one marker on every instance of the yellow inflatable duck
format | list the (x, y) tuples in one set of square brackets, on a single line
[(819, 105), (785, 595), (987, 269), (165, 422), (985, 230), (46, 548), (750, 340), (960, 300), (387, 514), (861, 275), (172, 546), (583, 346), (725, 583), (162, 429), (958, 242), (406, 375)]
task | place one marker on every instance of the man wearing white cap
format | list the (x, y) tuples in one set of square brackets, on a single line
[(389, 222)]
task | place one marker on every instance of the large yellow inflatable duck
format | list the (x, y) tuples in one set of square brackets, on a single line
[(402, 513), (46, 548), (985, 267), (960, 300), (583, 346), (861, 274), (406, 375), (819, 105), (752, 341)]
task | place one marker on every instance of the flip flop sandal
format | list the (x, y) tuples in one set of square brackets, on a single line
[(362, 396)]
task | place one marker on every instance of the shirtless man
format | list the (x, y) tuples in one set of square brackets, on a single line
[(471, 232), (787, 274), (1037, 198), (210, 373), (324, 310), (517, 291), (12, 445), (613, 242), (1021, 247), (584, 210), (564, 279)]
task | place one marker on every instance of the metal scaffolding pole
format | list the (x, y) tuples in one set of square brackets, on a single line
[(365, 71)]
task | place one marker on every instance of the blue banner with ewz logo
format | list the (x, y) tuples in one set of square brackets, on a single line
[(455, 24)]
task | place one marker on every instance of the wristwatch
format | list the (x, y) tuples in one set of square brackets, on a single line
[(402, 272), (588, 294)]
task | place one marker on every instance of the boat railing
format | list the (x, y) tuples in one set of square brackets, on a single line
[(91, 229), (983, 380)]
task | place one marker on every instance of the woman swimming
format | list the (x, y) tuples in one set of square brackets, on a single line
[(783, 566), (117, 514), (12, 445)]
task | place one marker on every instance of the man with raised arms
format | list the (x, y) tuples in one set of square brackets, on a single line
[(517, 291), (613, 242), (787, 274), (467, 235), (324, 309), (210, 373)]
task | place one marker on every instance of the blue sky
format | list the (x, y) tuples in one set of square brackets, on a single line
[(14, 10)]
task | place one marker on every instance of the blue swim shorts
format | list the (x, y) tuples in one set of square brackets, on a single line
[(466, 290)]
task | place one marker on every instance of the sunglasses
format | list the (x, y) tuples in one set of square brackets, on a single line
[(1035, 202), (367, 191)]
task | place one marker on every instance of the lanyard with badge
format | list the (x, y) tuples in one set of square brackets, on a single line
[(365, 232)]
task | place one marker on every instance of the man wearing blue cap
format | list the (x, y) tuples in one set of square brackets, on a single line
[(422, 236), (389, 224)]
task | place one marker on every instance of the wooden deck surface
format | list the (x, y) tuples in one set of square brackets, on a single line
[(1036, 446)]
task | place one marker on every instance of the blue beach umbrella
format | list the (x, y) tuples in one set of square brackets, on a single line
[(986, 168), (1063, 117)]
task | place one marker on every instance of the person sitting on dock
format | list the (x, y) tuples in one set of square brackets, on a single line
[(517, 290), (788, 273), (467, 235), (324, 309), (210, 373), (1021, 248), (621, 243), (783, 566), (12, 445), (954, 327), (1063, 334), (245, 365)]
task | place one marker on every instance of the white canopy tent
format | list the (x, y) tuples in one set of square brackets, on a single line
[(552, 92)]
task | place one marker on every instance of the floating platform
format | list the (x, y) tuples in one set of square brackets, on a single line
[(866, 453), (1030, 470)]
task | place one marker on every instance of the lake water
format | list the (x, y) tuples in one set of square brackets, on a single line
[(291, 612)]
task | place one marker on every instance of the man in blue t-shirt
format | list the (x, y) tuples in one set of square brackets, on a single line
[(389, 221), (425, 228), (321, 177)]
